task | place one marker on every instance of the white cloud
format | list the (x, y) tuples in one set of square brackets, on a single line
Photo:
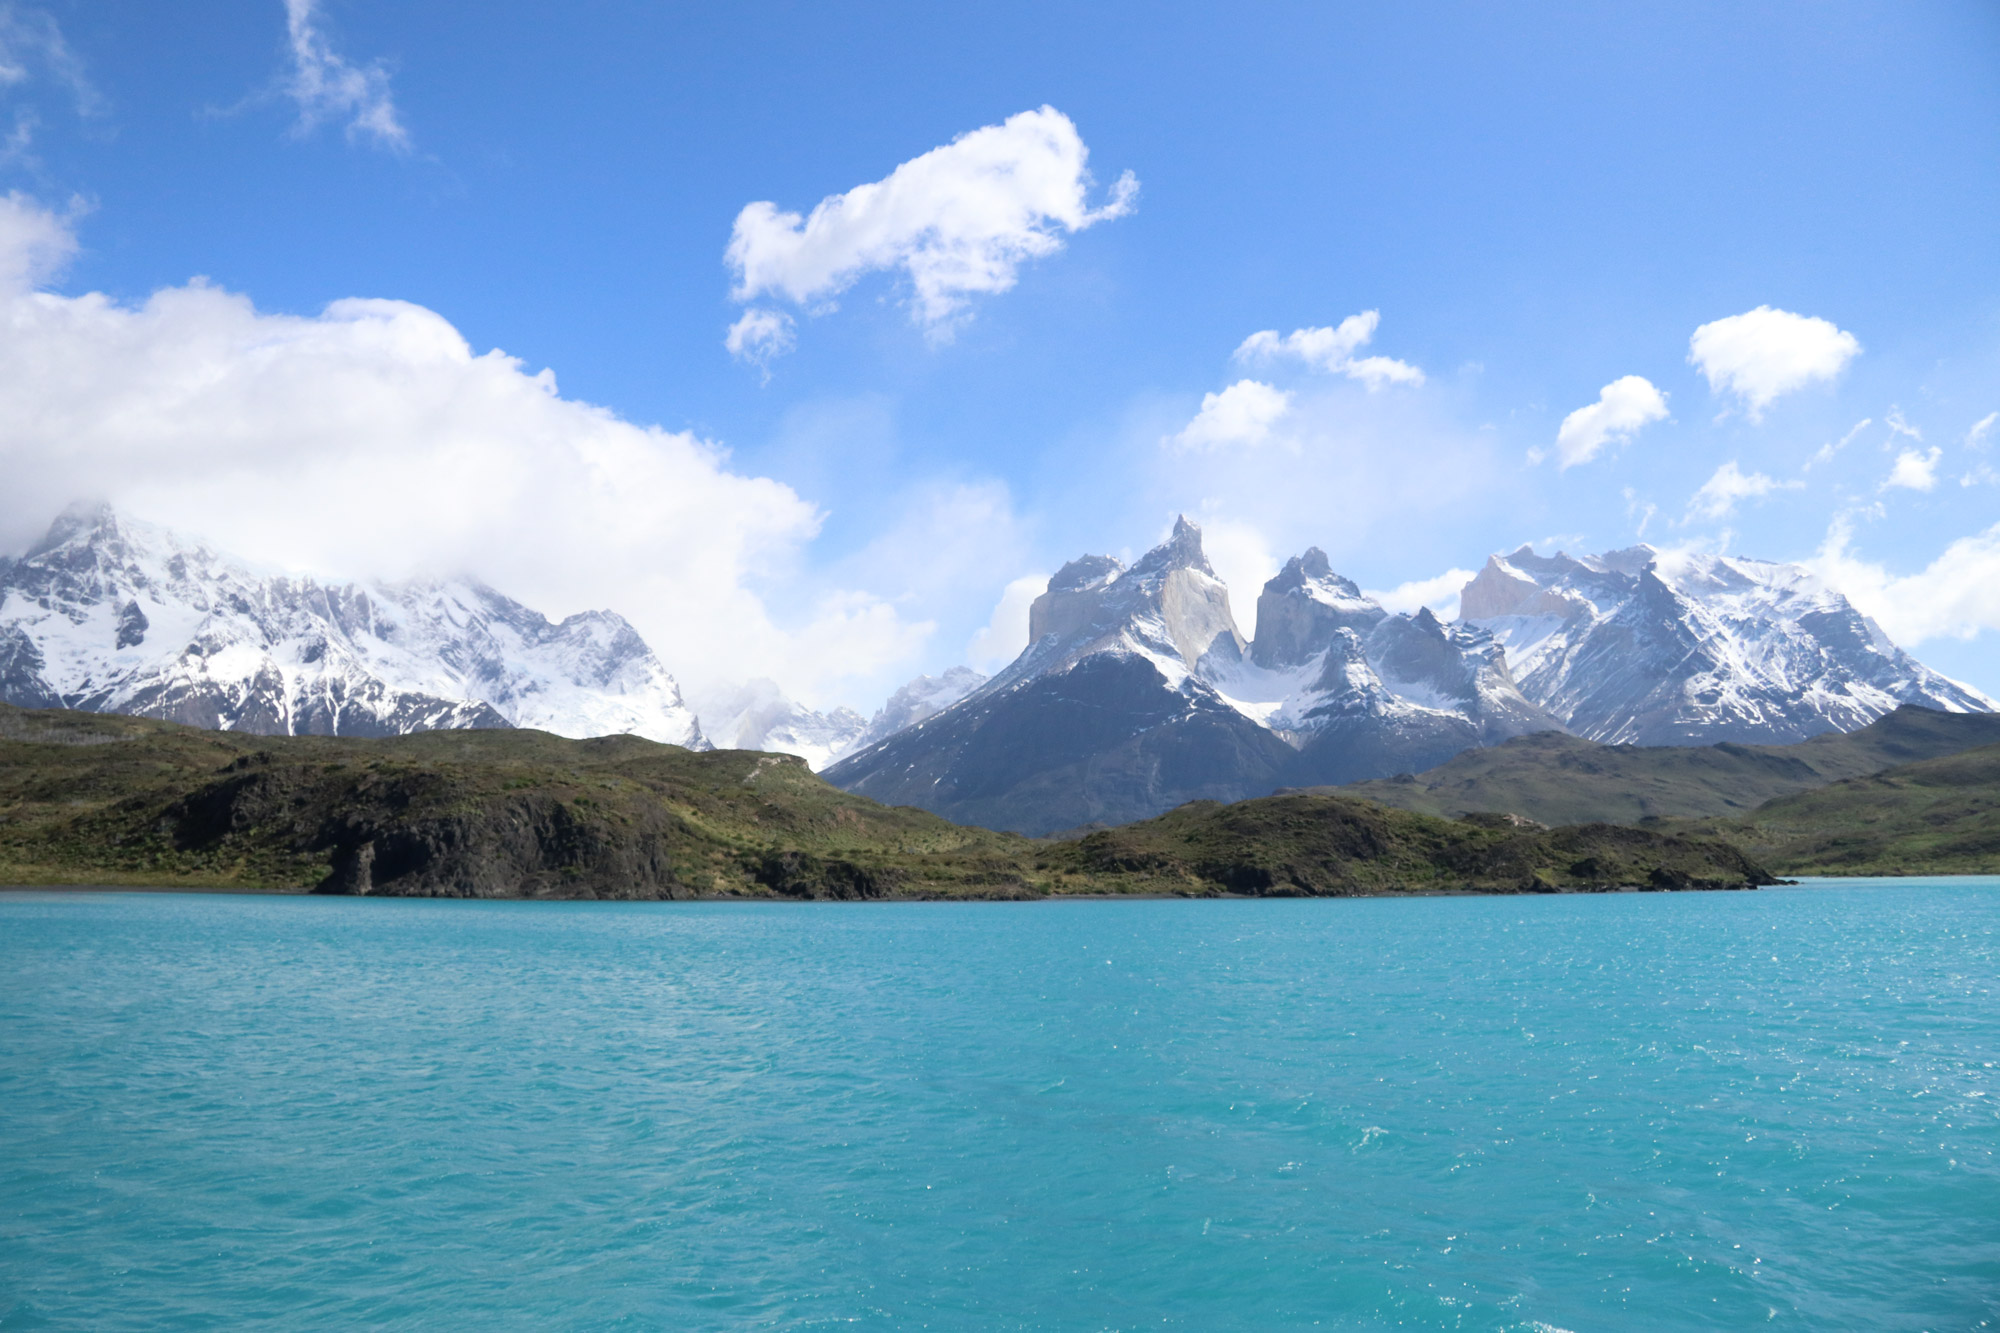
[(1332, 350), (1721, 493), (1002, 638), (1981, 434), (1622, 408), (1440, 594), (1831, 447), (370, 441), (1916, 470), (30, 39), (1763, 354), (35, 243), (327, 88), (1241, 414), (760, 335), (1957, 595), (959, 221), (33, 50)]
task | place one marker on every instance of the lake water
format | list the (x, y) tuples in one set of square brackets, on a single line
[(1660, 1111)]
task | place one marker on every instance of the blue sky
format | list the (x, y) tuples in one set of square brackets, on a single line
[(1538, 201)]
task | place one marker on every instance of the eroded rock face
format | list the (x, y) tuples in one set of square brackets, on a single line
[(1301, 609)]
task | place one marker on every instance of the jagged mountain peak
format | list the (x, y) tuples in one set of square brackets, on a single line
[(1169, 607), (1302, 605), (1313, 571), (1181, 550), (1086, 572)]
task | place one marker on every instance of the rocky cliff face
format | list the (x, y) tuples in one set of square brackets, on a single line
[(108, 614), (1637, 647)]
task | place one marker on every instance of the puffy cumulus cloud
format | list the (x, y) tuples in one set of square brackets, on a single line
[(1956, 596), (1729, 487), (958, 222), (1763, 354), (1440, 594), (1622, 408), (370, 441), (327, 88), (1001, 639), (1332, 350), (1240, 415), (1915, 470)]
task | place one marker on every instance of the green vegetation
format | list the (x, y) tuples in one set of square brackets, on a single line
[(1938, 817), (1558, 779), (1313, 844), (93, 798)]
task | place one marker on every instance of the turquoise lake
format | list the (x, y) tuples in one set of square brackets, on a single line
[(1638, 1111)]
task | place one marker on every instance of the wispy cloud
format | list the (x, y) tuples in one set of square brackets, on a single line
[(958, 222), (33, 50), (1333, 350), (328, 89), (1831, 447), (1729, 487)]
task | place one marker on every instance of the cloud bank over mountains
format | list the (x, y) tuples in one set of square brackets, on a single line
[(955, 223), (372, 440)]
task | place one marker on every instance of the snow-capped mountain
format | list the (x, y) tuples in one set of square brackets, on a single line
[(1137, 692), (1639, 647), (1358, 689), (1106, 716), (114, 615)]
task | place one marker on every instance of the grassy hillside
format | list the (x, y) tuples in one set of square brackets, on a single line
[(1558, 779), (93, 798), (1941, 816), (1312, 844)]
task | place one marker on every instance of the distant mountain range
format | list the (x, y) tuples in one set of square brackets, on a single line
[(1137, 691), (110, 614)]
